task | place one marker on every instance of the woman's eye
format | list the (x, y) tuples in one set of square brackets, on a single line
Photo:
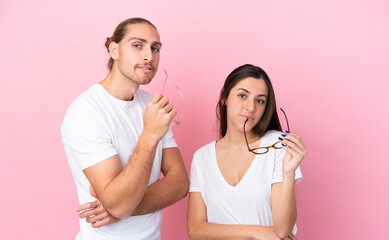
[(260, 101), (241, 95)]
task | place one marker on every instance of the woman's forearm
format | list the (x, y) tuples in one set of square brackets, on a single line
[(286, 212), (206, 230)]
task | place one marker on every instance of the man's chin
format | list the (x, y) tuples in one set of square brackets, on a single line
[(143, 80), (145, 83)]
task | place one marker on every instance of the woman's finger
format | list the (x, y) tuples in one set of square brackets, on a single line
[(294, 137), (289, 144)]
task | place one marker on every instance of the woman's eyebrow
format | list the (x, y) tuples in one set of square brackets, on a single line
[(247, 91)]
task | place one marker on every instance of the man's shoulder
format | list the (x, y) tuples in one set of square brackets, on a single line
[(82, 106), (84, 98)]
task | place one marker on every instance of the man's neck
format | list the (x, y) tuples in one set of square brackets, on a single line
[(119, 86)]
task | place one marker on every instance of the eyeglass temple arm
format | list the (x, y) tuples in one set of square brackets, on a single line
[(164, 83), (287, 122), (182, 105), (245, 137)]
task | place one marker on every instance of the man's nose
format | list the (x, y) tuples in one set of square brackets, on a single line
[(148, 55)]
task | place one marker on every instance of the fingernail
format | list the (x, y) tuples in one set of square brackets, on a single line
[(281, 139), (283, 135), (283, 144), (287, 131)]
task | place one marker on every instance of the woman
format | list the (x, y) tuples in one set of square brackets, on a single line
[(238, 190)]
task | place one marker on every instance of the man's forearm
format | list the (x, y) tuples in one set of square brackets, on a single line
[(163, 193), (124, 192)]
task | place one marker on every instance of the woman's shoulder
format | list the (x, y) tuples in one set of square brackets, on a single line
[(271, 136), (206, 148), (205, 152)]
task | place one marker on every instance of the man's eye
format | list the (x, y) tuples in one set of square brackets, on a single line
[(137, 45), (154, 49)]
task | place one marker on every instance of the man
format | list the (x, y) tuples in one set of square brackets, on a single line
[(117, 140)]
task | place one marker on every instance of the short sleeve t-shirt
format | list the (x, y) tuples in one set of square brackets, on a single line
[(248, 202), (98, 126)]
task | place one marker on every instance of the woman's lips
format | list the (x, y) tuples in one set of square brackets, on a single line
[(248, 117)]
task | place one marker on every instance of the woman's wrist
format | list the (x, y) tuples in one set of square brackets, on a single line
[(288, 177)]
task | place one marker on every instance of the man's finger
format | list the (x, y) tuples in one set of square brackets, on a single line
[(92, 191), (95, 211), (156, 98), (85, 206), (101, 223)]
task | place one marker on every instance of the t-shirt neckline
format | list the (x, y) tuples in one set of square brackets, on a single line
[(123, 103), (245, 176)]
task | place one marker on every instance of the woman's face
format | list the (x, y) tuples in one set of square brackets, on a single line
[(246, 100)]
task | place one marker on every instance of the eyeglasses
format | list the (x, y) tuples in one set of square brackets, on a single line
[(263, 150), (175, 122)]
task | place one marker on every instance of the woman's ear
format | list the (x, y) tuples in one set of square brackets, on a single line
[(223, 102)]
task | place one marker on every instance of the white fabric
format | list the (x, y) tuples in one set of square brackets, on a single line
[(98, 126), (249, 202)]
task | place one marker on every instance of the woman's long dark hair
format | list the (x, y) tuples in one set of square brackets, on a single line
[(269, 119)]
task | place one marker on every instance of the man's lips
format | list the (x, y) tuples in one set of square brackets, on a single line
[(146, 68)]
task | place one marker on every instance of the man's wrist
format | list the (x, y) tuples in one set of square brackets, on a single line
[(148, 139)]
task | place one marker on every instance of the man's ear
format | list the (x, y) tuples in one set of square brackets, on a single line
[(114, 50)]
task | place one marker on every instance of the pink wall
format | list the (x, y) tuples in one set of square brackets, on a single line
[(328, 62)]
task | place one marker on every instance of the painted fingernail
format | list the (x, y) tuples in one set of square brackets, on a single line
[(283, 144), (287, 131), (281, 139), (283, 135)]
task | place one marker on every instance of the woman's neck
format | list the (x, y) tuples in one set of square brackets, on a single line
[(235, 139)]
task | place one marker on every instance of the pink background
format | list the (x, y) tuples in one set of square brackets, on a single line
[(328, 61)]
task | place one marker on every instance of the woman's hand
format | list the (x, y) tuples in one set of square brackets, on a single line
[(295, 152), (290, 237), (95, 213), (268, 233)]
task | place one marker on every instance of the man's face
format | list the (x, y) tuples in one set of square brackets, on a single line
[(138, 53)]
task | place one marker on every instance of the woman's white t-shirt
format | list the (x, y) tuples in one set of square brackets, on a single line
[(248, 202)]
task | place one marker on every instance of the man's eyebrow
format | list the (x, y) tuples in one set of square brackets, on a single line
[(247, 91), (145, 41)]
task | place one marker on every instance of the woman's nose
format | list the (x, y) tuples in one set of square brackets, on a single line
[(250, 105)]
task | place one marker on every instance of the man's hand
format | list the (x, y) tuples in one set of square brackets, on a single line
[(157, 117), (95, 213)]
